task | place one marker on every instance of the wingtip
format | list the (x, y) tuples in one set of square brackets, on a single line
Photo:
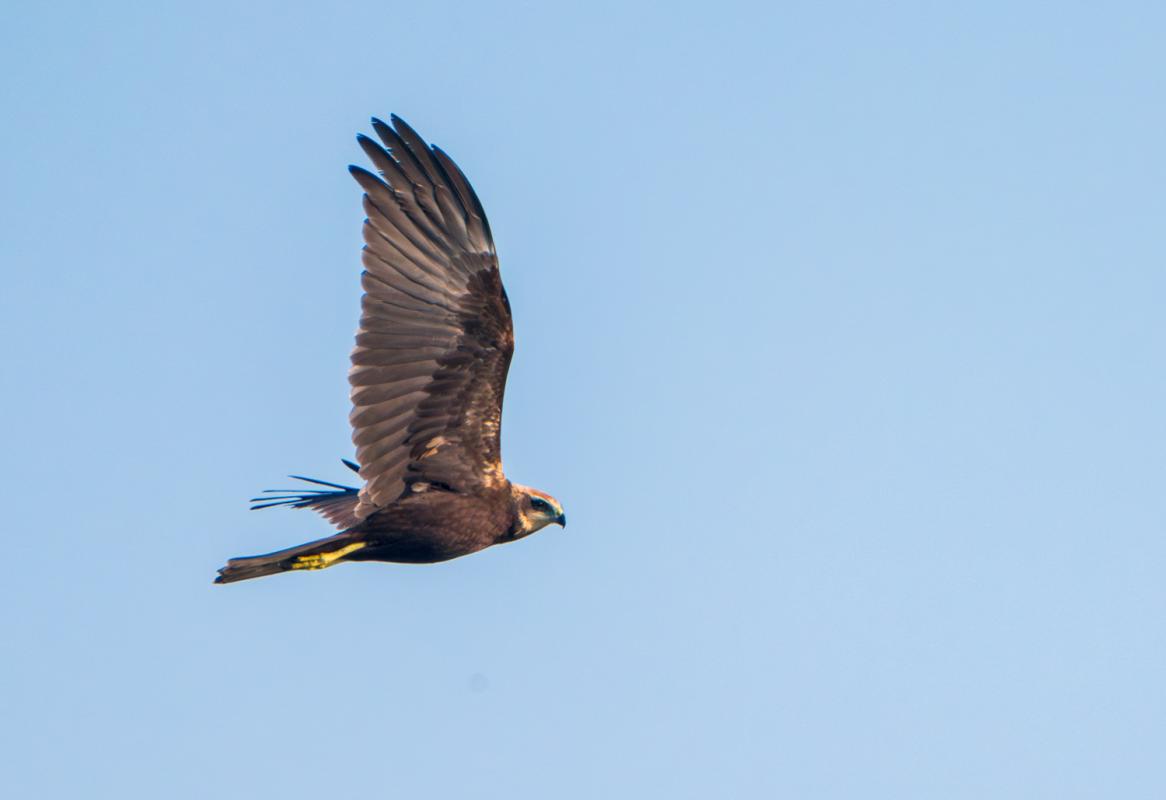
[(367, 180), (380, 126), (404, 128)]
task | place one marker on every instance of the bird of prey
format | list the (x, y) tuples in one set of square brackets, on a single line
[(427, 379)]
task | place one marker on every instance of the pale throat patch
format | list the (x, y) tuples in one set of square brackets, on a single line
[(524, 521)]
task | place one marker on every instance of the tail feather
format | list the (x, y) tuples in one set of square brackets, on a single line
[(337, 503), (313, 555)]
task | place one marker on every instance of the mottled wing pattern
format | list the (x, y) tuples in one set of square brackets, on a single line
[(435, 339)]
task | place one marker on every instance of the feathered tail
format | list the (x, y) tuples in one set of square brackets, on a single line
[(313, 555)]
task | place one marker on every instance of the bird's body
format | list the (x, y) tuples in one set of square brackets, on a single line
[(430, 527), (428, 376)]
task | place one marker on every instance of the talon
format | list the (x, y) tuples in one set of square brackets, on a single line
[(324, 560)]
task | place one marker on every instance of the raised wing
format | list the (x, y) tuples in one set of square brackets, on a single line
[(435, 339)]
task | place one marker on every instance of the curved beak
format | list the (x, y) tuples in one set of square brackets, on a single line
[(561, 520)]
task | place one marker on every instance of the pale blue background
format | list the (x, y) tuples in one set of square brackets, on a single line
[(841, 338)]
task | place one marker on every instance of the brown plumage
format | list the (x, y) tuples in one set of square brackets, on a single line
[(428, 375)]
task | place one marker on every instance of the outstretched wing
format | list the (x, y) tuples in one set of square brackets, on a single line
[(435, 339)]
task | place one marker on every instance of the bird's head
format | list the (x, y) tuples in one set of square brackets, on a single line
[(536, 510)]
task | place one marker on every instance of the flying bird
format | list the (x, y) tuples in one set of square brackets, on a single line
[(427, 379)]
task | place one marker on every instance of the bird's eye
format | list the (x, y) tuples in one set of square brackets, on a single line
[(539, 504)]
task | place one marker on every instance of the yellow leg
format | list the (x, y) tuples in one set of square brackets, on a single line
[(323, 560)]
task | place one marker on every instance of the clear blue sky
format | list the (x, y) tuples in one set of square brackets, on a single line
[(841, 339)]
